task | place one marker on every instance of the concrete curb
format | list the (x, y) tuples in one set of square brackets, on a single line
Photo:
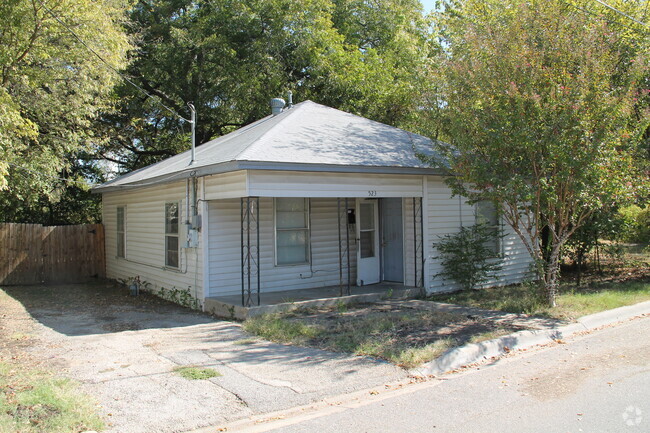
[(478, 352)]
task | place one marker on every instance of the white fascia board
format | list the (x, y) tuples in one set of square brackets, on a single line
[(264, 165)]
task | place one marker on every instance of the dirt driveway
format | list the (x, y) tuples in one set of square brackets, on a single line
[(124, 349)]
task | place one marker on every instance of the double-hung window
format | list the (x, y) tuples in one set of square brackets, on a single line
[(121, 231), (291, 231), (171, 234), (487, 214)]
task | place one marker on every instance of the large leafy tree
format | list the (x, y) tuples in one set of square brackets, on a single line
[(229, 57), (52, 89), (540, 112)]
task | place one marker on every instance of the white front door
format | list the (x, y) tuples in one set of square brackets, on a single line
[(367, 242)]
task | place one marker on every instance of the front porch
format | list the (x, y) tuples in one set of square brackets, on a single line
[(287, 300)]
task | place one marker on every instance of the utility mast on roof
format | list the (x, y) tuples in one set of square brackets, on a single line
[(193, 123)]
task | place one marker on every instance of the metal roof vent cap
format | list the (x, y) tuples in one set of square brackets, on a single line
[(277, 104)]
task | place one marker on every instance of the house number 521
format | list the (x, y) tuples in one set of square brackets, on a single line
[(372, 193)]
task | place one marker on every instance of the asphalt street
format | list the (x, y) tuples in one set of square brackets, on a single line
[(597, 382)]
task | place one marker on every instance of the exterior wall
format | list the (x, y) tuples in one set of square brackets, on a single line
[(227, 185), (145, 238), (225, 253), (220, 210), (445, 215)]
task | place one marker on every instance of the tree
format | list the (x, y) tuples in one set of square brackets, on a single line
[(538, 113), (231, 57), (52, 89)]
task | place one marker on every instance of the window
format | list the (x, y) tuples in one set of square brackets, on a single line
[(121, 231), (488, 215), (171, 235), (291, 231), (367, 230)]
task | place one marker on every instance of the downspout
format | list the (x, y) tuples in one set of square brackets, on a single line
[(187, 201), (192, 209)]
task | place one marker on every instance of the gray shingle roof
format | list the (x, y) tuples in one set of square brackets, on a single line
[(309, 136)]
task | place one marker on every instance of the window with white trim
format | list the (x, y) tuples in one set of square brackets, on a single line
[(171, 235), (486, 213), (121, 231), (291, 231)]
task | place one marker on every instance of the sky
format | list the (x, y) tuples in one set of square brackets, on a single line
[(428, 5)]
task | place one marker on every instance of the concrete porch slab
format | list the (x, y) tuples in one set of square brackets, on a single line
[(230, 307)]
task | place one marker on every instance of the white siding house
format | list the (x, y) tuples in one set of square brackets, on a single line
[(309, 198)]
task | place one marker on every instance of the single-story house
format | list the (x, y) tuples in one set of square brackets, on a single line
[(308, 197)]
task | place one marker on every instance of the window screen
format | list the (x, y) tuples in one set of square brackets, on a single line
[(291, 231), (121, 231), (171, 235), (487, 214)]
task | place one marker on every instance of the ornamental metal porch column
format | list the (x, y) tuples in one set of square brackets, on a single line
[(250, 250), (344, 246), (418, 242)]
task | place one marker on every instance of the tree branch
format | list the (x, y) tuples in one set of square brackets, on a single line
[(154, 91)]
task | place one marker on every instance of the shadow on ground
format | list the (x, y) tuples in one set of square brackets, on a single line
[(100, 308)]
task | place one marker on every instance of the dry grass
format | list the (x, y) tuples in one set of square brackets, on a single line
[(389, 331)]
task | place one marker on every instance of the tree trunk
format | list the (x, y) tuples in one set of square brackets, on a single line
[(579, 271), (600, 269), (552, 275)]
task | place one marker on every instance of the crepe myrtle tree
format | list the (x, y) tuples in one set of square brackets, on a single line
[(539, 106)]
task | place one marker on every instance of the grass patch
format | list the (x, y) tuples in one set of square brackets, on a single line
[(191, 372), (571, 302), (521, 298), (405, 338), (246, 341), (608, 296), (410, 357), (276, 327), (36, 401), (489, 335)]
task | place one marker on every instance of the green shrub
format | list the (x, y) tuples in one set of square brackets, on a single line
[(636, 226), (465, 257), (643, 225)]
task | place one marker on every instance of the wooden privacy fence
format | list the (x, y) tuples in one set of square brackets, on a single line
[(35, 254)]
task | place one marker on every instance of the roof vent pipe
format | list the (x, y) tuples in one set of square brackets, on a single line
[(290, 98), (277, 104)]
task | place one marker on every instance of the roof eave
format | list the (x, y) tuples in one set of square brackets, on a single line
[(231, 166)]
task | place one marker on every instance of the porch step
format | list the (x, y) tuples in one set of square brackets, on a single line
[(227, 309)]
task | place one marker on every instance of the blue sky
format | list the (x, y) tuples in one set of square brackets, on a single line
[(428, 4)]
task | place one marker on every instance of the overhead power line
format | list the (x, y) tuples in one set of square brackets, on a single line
[(570, 3), (111, 67), (621, 13)]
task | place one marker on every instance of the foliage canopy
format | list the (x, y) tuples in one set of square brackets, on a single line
[(231, 57), (541, 115), (52, 90)]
